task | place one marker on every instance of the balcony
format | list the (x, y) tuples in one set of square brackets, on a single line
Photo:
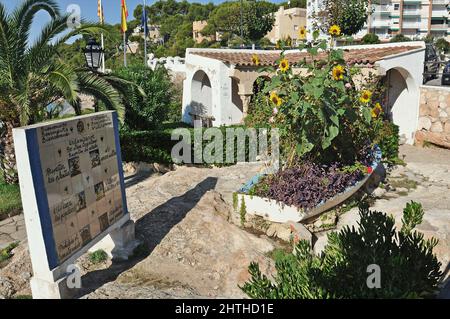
[(411, 25), (381, 23), (382, 9), (439, 13), (411, 13), (439, 27), (443, 2)]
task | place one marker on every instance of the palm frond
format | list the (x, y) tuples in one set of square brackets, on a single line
[(64, 78), (99, 88)]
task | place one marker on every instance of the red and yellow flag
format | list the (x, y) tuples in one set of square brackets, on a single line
[(124, 25), (100, 13)]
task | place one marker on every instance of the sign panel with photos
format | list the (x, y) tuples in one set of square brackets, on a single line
[(80, 169)]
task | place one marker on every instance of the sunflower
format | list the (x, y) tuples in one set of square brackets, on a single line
[(284, 65), (255, 59), (365, 96), (338, 72), (302, 33), (376, 111), (335, 30), (275, 99)]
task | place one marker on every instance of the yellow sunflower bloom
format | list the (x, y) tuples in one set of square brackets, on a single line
[(284, 65), (365, 97), (338, 72), (335, 31), (302, 33), (275, 99), (255, 59), (377, 110)]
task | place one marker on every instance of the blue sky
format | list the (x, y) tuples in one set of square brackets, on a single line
[(89, 9)]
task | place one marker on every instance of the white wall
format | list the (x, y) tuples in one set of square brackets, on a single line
[(225, 109)]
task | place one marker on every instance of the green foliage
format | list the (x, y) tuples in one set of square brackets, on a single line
[(388, 140), (370, 38), (98, 256), (321, 115), (242, 211), (409, 269), (257, 19), (155, 146), (350, 15), (442, 45), (148, 109), (5, 253), (400, 38), (10, 202)]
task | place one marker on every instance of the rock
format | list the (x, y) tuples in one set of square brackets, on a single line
[(6, 288), (281, 231), (402, 190), (424, 124), (379, 192), (437, 127), (433, 111), (447, 128)]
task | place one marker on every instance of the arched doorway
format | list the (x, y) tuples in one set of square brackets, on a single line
[(201, 96), (400, 101), (259, 85)]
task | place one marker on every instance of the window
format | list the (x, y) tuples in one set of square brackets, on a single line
[(396, 6)]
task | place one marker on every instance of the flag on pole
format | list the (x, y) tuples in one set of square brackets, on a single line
[(144, 21), (100, 13), (124, 25)]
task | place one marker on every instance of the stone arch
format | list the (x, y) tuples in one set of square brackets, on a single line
[(201, 94), (400, 100)]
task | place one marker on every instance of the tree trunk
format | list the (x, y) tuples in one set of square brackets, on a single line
[(7, 155)]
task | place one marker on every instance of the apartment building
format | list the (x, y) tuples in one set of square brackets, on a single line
[(413, 18), (287, 24)]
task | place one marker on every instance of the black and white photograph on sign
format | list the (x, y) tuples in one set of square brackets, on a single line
[(74, 166)]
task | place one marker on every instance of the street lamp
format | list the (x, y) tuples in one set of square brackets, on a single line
[(93, 54)]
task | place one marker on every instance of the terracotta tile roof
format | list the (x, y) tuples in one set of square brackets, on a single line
[(352, 56)]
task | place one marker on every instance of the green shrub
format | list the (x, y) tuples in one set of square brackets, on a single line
[(10, 201), (400, 38), (146, 113), (156, 146), (388, 140), (98, 256), (409, 269), (370, 38), (442, 45), (5, 253)]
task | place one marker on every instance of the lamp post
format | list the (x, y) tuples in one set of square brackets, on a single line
[(93, 54)]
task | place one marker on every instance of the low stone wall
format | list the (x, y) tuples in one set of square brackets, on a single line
[(434, 116)]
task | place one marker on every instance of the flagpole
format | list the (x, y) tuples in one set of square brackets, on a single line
[(145, 33), (102, 39), (124, 49)]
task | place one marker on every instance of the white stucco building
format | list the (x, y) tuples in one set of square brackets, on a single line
[(219, 84)]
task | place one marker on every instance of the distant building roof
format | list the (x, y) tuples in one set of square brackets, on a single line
[(359, 56)]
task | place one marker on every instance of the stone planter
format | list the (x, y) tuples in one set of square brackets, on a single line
[(275, 211)]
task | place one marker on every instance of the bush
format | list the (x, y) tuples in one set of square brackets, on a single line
[(442, 45), (370, 38), (409, 269), (388, 140), (98, 256), (400, 38), (156, 146), (146, 113)]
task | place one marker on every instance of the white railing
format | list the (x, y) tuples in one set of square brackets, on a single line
[(444, 2), (381, 8), (381, 23), (411, 12), (411, 24), (439, 13)]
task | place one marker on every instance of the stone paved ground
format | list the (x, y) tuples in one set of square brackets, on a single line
[(193, 251), (12, 230)]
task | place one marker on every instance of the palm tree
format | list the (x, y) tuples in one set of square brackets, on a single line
[(33, 75)]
